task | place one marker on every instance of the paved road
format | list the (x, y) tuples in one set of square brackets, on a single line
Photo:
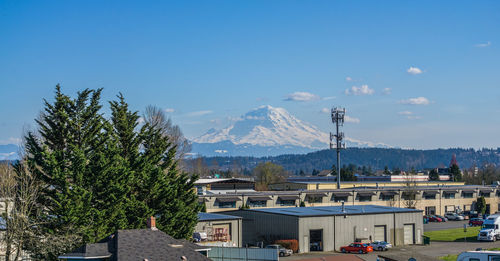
[(432, 251), (433, 226)]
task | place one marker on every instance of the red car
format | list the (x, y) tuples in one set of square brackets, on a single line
[(475, 222), (435, 219), (357, 248)]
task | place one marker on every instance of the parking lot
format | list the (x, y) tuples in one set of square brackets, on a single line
[(432, 251), (433, 226)]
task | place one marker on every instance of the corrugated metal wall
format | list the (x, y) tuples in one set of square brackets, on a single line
[(242, 254)]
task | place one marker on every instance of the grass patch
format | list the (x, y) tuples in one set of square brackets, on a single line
[(454, 234)]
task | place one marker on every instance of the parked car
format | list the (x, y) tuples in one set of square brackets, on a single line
[(443, 219), (281, 250), (361, 248), (476, 222), (453, 216), (380, 245), (435, 219), (426, 219), (471, 214)]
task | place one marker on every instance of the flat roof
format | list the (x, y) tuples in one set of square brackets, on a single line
[(220, 180), (202, 216), (335, 210)]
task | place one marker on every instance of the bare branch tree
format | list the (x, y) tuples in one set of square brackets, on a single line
[(410, 191), (156, 117)]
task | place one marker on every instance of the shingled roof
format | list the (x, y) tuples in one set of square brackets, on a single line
[(139, 244)]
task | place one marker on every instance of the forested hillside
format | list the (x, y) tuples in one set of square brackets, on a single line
[(376, 158)]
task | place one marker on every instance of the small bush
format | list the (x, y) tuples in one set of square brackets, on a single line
[(292, 244)]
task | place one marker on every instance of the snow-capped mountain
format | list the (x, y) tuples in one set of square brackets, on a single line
[(266, 131)]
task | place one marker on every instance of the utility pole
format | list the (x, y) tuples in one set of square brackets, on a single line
[(338, 120)]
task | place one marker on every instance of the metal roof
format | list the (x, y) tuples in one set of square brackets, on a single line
[(334, 210), (202, 216)]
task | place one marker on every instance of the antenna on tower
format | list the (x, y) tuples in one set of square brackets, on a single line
[(338, 119)]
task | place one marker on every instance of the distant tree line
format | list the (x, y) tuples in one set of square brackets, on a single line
[(396, 160)]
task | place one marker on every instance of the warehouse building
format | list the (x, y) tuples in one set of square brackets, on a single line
[(218, 230), (329, 228)]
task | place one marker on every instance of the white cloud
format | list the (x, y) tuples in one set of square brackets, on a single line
[(414, 70), (409, 115), (325, 110), (329, 98), (348, 79), (199, 113), (363, 90), (301, 97), (351, 119), (169, 110), (11, 140), (482, 45), (405, 113), (416, 101), (387, 91)]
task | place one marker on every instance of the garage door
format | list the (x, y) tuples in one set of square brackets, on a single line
[(379, 233), (408, 234)]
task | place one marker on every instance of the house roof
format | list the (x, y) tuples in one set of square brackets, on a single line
[(139, 244)]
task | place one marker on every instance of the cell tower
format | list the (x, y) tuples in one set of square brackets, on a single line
[(338, 119)]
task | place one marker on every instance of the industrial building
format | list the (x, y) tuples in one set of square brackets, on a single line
[(218, 230), (224, 185), (313, 183), (431, 199), (329, 228)]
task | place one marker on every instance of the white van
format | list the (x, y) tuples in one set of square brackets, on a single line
[(479, 256), (491, 229)]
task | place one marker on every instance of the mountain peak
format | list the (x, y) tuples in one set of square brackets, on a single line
[(270, 130), (269, 126)]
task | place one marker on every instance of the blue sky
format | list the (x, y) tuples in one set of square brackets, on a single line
[(412, 74)]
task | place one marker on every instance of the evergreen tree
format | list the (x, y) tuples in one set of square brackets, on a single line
[(99, 176), (481, 205), (455, 173), (386, 170), (433, 175)]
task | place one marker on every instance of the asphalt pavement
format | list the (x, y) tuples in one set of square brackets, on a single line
[(433, 226), (431, 252)]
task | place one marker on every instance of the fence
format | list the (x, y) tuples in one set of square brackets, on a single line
[(242, 254)]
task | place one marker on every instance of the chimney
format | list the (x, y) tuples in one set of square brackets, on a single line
[(151, 223)]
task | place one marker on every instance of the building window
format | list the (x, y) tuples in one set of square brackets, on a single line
[(339, 199), (231, 204), (290, 202), (364, 198), (257, 203), (430, 210), (409, 196), (387, 197), (429, 196), (315, 199), (467, 195), (485, 194), (449, 195)]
